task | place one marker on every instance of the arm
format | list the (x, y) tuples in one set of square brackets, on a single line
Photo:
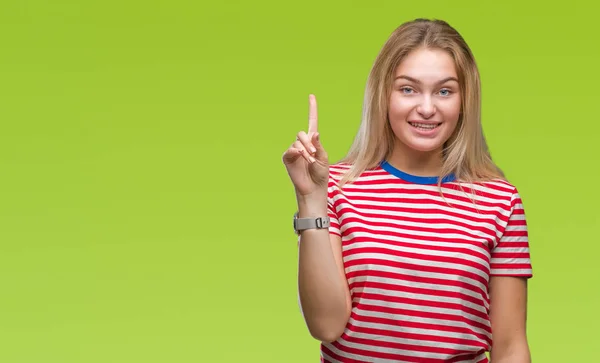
[(322, 287), (508, 314), (510, 270)]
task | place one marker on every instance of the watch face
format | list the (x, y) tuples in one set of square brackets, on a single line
[(295, 218)]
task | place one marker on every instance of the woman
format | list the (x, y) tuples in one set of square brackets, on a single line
[(414, 248)]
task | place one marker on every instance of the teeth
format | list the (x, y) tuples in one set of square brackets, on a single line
[(424, 126)]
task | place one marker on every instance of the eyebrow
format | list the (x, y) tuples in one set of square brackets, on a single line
[(419, 82)]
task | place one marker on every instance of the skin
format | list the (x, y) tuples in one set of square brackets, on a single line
[(323, 292), (508, 315), (426, 89)]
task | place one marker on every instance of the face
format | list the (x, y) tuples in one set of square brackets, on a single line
[(425, 101)]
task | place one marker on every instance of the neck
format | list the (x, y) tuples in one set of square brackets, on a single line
[(418, 163)]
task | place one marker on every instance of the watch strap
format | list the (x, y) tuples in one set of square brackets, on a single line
[(301, 224)]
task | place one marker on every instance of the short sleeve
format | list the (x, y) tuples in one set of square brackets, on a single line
[(510, 256), (332, 198)]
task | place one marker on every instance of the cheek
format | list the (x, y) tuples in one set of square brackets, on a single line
[(450, 111), (399, 109)]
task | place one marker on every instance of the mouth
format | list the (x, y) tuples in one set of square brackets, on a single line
[(425, 126)]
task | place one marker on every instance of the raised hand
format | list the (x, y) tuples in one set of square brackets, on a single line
[(306, 161)]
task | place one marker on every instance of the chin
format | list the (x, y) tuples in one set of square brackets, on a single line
[(425, 147)]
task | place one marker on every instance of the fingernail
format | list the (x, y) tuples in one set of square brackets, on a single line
[(312, 160), (313, 150)]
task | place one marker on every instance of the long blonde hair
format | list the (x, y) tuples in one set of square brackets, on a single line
[(465, 154)]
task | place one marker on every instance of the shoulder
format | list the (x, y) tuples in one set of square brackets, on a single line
[(338, 170), (345, 177), (498, 190)]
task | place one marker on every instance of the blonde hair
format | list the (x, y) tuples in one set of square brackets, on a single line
[(465, 154)]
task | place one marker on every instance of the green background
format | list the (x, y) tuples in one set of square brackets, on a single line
[(144, 209)]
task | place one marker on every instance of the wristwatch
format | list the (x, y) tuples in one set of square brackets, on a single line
[(301, 224)]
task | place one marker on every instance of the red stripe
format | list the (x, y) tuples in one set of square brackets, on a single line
[(502, 255), (468, 357), (407, 256), (403, 289), (422, 314), (431, 341), (504, 244), (395, 205), (401, 223), (406, 322), (382, 355), (468, 193), (338, 357), (511, 266), (458, 284), (423, 303), (415, 267), (400, 234), (423, 195), (426, 247)]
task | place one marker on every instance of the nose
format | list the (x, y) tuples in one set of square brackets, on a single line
[(426, 108)]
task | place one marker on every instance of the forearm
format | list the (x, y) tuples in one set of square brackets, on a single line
[(514, 354), (322, 289), (512, 359)]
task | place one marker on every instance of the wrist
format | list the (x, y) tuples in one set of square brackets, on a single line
[(313, 205)]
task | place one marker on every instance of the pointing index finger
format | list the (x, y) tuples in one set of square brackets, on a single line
[(312, 114)]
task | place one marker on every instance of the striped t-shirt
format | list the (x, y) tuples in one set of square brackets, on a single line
[(418, 264)]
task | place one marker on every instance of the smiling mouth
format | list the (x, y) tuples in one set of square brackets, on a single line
[(423, 126)]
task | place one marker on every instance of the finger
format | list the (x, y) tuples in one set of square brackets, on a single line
[(307, 156), (306, 142), (291, 155), (316, 141), (312, 114)]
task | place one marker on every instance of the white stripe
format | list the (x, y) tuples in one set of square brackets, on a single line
[(387, 350), (510, 260), (387, 257), (509, 249), (511, 271), (401, 221), (420, 240), (479, 358), (431, 252), (515, 228), (346, 354), (420, 285), (389, 201), (423, 343), (432, 275), (424, 309), (469, 243), (515, 239), (432, 298), (387, 181), (517, 217), (473, 245), (417, 319), (427, 199)]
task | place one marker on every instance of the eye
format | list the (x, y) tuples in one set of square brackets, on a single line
[(406, 90), (445, 92)]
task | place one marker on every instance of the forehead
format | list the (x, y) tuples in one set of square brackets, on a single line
[(427, 65)]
